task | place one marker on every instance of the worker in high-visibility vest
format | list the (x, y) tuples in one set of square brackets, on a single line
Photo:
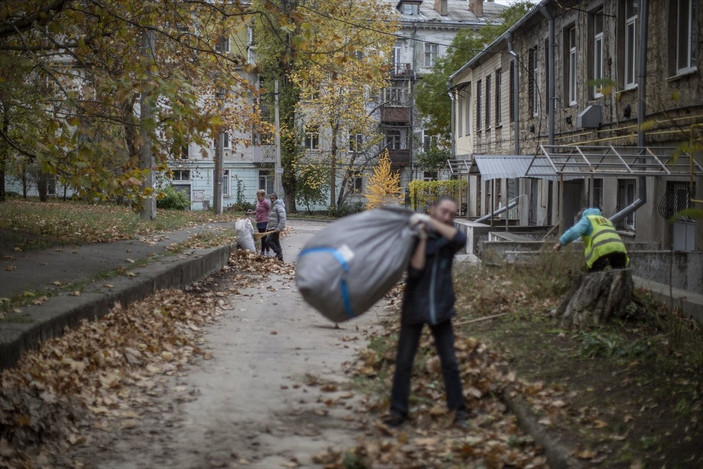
[(602, 244)]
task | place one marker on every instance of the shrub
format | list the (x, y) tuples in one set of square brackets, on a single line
[(170, 199), (347, 209)]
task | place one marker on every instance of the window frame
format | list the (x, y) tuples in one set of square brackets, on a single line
[(572, 97), (226, 183), (598, 51), (532, 73), (631, 35), (479, 97), (431, 54), (393, 139), (312, 137), (488, 102), (499, 98), (690, 65)]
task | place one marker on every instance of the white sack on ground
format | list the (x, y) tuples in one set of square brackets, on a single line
[(348, 266), (245, 234)]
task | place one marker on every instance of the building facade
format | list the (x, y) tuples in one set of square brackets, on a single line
[(596, 103)]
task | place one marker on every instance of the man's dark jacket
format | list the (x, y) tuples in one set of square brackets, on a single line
[(429, 293)]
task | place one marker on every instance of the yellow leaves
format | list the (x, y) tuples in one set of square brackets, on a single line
[(384, 186)]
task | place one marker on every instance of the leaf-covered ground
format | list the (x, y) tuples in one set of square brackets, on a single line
[(101, 374), (627, 394)]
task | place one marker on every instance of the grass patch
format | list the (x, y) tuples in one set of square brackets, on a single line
[(32, 225)]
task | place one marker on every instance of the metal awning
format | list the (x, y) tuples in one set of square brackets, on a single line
[(500, 166), (458, 166), (582, 161)]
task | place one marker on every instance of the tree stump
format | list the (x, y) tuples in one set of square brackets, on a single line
[(598, 297)]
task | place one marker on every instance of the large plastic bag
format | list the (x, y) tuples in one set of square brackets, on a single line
[(245, 234), (348, 266)]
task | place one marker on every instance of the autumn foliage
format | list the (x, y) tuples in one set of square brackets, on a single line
[(384, 185)]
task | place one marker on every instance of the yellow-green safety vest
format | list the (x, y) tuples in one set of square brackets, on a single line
[(603, 240)]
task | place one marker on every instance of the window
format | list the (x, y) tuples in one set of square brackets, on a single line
[(428, 141), (312, 137), (410, 8), (225, 183), (488, 102), (467, 110), (397, 66), (222, 45), (570, 64), (597, 41), (227, 143), (461, 103), (626, 197), (395, 96), (356, 183), (499, 84), (184, 151), (479, 97), (266, 180), (431, 52), (511, 95), (180, 175), (684, 35), (356, 142), (393, 139), (597, 192), (429, 175), (532, 81), (631, 35)]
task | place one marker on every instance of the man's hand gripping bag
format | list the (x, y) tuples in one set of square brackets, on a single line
[(348, 266)]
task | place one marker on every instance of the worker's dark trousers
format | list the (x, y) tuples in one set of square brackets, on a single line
[(407, 347), (616, 260)]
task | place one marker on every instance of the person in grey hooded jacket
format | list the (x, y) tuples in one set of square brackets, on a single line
[(277, 223)]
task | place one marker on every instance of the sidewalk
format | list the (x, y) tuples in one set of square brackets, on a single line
[(690, 303), (81, 282)]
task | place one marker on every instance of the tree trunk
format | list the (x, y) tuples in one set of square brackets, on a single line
[(598, 297)]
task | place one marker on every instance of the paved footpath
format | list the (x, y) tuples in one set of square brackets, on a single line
[(254, 403), (37, 270), (66, 283)]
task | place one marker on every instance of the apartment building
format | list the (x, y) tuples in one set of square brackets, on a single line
[(588, 103), (427, 29)]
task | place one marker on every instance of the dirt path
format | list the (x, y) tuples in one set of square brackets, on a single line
[(254, 404)]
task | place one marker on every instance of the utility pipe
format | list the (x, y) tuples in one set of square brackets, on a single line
[(510, 205), (452, 133)]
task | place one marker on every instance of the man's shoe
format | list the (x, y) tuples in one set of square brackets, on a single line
[(394, 420), (461, 419)]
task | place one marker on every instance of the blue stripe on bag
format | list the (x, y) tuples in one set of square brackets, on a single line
[(345, 266)]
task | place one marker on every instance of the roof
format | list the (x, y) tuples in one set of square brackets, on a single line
[(457, 12), (582, 161), (500, 41), (500, 166)]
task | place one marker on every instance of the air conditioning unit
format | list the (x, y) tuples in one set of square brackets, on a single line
[(591, 117)]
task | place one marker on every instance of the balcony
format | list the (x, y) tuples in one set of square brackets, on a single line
[(395, 114), (399, 158), (401, 70)]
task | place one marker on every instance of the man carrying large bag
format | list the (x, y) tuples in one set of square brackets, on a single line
[(429, 299)]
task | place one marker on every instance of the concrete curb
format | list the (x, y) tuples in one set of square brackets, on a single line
[(557, 454), (52, 318)]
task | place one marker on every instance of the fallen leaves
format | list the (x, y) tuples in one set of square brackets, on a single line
[(89, 371)]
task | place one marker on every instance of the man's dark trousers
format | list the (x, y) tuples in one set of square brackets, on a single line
[(407, 347)]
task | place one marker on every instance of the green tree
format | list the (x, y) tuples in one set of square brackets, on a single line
[(431, 93), (313, 185), (95, 79), (343, 64)]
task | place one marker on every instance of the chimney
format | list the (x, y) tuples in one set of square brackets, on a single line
[(476, 7), (441, 7)]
